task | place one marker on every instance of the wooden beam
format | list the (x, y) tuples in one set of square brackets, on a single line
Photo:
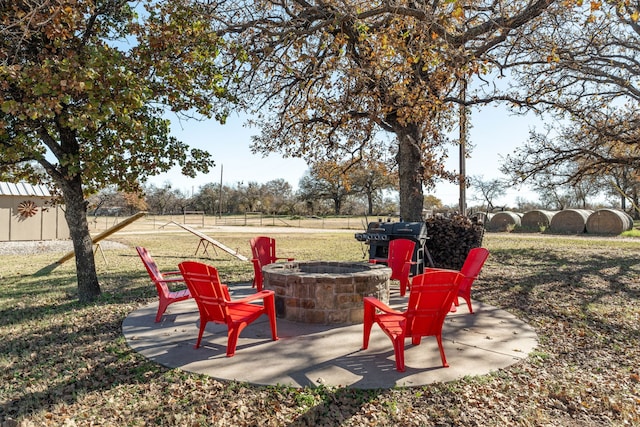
[(106, 234), (206, 240)]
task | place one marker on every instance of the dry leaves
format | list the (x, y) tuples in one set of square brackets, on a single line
[(66, 364)]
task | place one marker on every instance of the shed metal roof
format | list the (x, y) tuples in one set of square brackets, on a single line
[(23, 189)]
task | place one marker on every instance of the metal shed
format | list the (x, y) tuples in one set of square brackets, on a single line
[(26, 213)]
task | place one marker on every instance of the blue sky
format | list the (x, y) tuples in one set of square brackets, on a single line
[(494, 133)]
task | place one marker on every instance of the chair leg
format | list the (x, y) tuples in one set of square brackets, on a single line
[(368, 318), (162, 306), (257, 282), (442, 356), (398, 349), (366, 334), (232, 339), (257, 275), (404, 278), (403, 287), (468, 300), (202, 327), (270, 306)]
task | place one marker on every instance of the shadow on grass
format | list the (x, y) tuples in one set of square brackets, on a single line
[(45, 271), (336, 405), (591, 276), (61, 351), (586, 289)]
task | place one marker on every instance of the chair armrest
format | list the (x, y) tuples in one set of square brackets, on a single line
[(181, 280), (258, 295), (171, 273), (380, 305)]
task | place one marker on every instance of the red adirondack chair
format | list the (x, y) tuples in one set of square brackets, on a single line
[(165, 295), (470, 270), (430, 299), (215, 304), (399, 260), (264, 253)]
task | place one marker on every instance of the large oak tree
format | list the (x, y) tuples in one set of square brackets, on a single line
[(83, 89), (326, 77)]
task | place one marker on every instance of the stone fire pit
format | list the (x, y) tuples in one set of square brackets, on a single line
[(325, 292)]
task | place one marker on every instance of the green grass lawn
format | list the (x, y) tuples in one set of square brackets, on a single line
[(63, 362)]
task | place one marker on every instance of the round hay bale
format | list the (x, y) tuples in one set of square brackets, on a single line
[(504, 221), (482, 217), (537, 220), (609, 221), (630, 221), (570, 221)]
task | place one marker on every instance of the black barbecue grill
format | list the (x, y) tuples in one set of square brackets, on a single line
[(379, 234)]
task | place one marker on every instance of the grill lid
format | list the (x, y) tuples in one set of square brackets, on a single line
[(412, 229), (380, 231)]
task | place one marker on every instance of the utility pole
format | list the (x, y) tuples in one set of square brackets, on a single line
[(220, 198), (463, 149)]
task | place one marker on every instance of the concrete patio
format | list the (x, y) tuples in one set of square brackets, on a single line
[(312, 354)]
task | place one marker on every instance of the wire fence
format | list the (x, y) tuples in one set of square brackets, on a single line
[(197, 219)]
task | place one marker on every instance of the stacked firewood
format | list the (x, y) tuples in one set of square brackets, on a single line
[(451, 239)]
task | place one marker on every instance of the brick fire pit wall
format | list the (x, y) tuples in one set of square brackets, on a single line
[(325, 292)]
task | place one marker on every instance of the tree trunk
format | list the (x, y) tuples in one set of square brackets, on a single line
[(635, 203), (410, 171), (76, 216)]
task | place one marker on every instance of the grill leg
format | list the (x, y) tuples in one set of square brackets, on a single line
[(426, 252)]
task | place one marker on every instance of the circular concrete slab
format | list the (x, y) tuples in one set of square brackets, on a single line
[(312, 355)]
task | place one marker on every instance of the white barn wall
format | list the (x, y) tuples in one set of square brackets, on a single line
[(48, 222)]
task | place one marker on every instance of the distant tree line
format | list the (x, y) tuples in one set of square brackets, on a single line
[(327, 188)]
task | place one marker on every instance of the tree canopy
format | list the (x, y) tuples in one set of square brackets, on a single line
[(84, 85), (584, 73), (327, 78)]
